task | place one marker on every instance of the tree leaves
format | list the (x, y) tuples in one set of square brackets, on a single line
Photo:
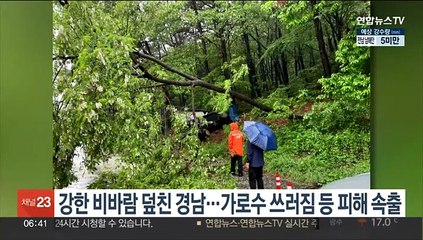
[(101, 107), (352, 83), (296, 15)]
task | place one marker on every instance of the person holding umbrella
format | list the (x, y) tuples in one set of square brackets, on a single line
[(260, 139), (255, 163)]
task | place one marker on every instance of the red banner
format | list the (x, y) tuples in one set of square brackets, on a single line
[(35, 203)]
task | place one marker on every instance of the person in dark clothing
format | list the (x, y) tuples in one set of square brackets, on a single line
[(255, 163)]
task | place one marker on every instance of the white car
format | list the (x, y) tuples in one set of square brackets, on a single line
[(361, 181)]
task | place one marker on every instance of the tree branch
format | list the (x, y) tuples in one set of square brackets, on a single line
[(148, 75), (154, 86), (166, 66), (194, 81), (210, 41), (58, 71), (257, 41)]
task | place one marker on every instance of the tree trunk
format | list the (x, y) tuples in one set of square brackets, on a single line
[(158, 47), (269, 70), (285, 75), (335, 42), (166, 118), (339, 23), (259, 48), (296, 66), (282, 78), (224, 53), (277, 78), (300, 59), (334, 31), (330, 45), (260, 53), (321, 42), (312, 61), (284, 68), (255, 90), (203, 42), (228, 50)]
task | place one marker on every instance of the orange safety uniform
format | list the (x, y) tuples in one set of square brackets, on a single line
[(235, 140)]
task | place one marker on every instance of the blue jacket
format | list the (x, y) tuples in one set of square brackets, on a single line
[(255, 155)]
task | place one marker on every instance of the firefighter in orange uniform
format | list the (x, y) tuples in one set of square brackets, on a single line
[(235, 146)]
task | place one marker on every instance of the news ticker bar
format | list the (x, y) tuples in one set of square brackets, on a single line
[(212, 203), (212, 228)]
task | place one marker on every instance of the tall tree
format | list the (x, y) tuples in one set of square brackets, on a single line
[(320, 40), (223, 47), (200, 30), (252, 75)]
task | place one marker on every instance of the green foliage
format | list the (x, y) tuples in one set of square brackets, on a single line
[(173, 168), (217, 150), (160, 20), (101, 106), (309, 155), (352, 83), (280, 103), (221, 102), (337, 116), (349, 89), (96, 105), (306, 79), (348, 9), (296, 14), (333, 140)]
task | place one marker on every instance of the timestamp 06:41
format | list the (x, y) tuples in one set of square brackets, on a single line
[(35, 223)]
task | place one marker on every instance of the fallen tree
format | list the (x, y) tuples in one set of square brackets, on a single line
[(193, 81)]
